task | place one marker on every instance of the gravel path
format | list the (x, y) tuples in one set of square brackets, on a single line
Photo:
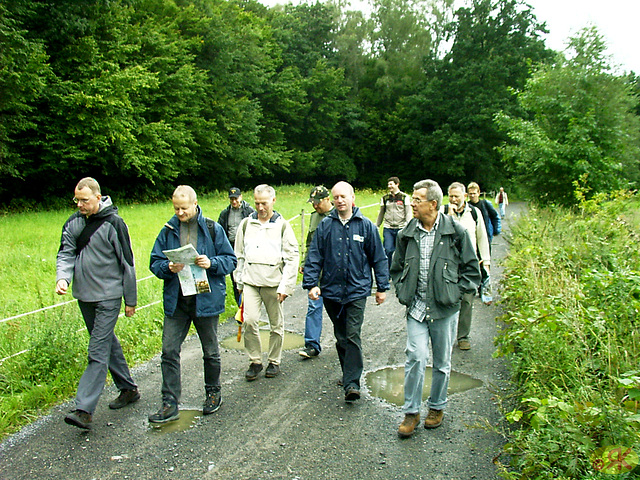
[(294, 426)]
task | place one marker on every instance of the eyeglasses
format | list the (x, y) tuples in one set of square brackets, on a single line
[(81, 201), (417, 201)]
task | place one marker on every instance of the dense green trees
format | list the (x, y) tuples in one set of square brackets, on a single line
[(147, 93), (581, 131)]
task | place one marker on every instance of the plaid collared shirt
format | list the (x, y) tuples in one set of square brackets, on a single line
[(418, 309)]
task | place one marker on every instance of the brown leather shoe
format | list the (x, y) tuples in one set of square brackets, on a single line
[(434, 418), (408, 425)]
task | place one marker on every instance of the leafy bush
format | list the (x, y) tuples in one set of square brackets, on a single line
[(572, 297)]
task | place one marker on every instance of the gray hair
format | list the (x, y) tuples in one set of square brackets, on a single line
[(90, 183), (264, 188), (185, 191), (457, 185), (434, 192)]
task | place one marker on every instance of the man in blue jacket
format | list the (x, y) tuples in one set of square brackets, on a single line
[(344, 249), (215, 255)]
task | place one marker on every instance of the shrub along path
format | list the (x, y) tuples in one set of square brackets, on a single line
[(294, 426)]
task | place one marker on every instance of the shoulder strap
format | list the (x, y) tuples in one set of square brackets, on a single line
[(211, 226), (474, 214), (87, 232)]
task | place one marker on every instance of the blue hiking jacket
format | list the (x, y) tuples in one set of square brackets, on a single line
[(341, 257)]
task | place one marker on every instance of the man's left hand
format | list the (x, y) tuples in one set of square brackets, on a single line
[(381, 297), (129, 311), (203, 261), (281, 297)]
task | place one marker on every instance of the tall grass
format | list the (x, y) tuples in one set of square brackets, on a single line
[(572, 296), (54, 341)]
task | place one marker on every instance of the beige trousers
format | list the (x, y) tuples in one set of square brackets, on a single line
[(254, 297)]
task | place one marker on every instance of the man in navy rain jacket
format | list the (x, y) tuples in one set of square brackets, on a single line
[(215, 255), (344, 250)]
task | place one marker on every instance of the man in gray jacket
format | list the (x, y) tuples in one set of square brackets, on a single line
[(433, 266), (95, 253)]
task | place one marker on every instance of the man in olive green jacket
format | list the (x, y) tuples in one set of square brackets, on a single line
[(433, 266)]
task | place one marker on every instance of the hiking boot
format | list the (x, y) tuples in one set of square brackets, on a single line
[(252, 373), (212, 402), (308, 352), (464, 344), (352, 395), (125, 398), (79, 418), (408, 425), (434, 418), (168, 412), (272, 370)]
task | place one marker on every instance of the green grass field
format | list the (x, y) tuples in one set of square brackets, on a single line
[(43, 354)]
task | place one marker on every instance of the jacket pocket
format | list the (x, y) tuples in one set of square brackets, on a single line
[(447, 290), (404, 290)]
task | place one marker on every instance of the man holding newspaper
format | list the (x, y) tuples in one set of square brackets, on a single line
[(190, 252)]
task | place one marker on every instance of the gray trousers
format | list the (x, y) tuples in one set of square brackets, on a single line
[(104, 353)]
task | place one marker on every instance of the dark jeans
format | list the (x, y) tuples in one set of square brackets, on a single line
[(104, 353), (347, 323), (389, 236), (176, 328)]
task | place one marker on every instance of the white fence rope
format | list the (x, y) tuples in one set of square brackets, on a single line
[(2, 360)]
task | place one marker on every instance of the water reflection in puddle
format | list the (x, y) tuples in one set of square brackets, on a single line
[(188, 419), (290, 342), (388, 384)]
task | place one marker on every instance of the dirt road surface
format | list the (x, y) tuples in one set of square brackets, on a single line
[(295, 426)]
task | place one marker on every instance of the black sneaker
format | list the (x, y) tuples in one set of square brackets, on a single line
[(252, 373), (352, 395), (308, 352), (125, 398), (272, 370), (212, 402), (79, 418), (168, 412)]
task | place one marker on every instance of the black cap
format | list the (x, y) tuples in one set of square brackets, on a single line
[(318, 193), (234, 192)]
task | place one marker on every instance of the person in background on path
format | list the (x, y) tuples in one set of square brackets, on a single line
[(471, 219), (215, 255), (493, 225), (433, 266), (268, 259), (503, 201), (489, 214), (95, 254), (344, 250), (229, 219), (319, 198), (395, 212)]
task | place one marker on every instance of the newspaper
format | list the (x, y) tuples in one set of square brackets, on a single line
[(193, 279)]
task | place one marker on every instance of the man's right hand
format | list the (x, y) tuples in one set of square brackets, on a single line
[(61, 287), (314, 293)]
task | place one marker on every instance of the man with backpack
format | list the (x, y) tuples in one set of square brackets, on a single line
[(216, 257), (470, 218), (395, 212), (95, 253)]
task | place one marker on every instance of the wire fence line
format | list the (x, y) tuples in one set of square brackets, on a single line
[(2, 360), (14, 317)]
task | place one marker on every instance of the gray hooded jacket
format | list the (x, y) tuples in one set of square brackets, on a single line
[(104, 269)]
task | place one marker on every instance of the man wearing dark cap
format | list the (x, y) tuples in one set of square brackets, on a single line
[(230, 219), (319, 198)]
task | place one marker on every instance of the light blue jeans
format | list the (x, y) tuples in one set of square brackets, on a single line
[(313, 324), (442, 333)]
